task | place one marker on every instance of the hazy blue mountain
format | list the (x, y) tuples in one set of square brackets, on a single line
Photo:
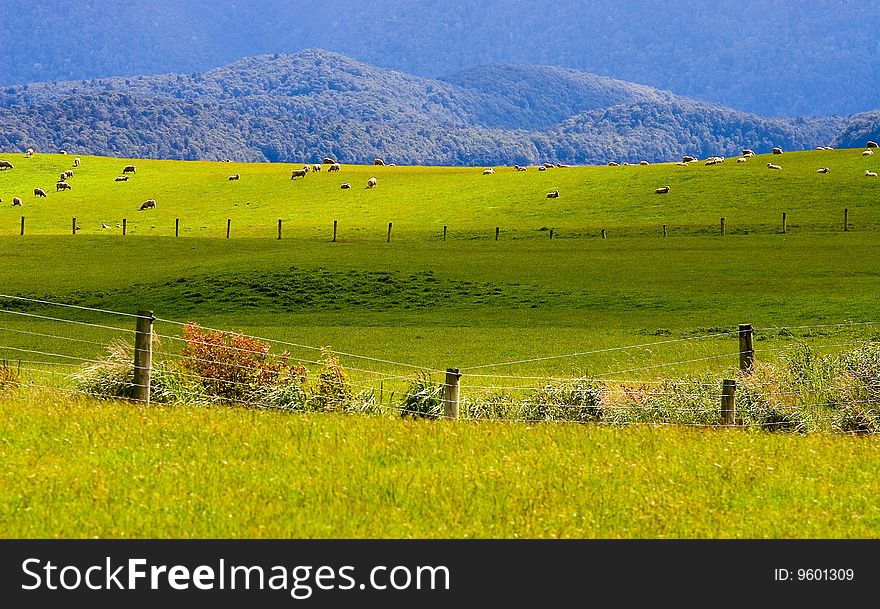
[(859, 130), (304, 106), (771, 57)]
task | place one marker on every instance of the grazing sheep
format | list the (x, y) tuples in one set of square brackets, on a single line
[(613, 164), (488, 171), (872, 144), (742, 159), (772, 166), (562, 165), (235, 176), (6, 165), (747, 152), (129, 169), (712, 161), (777, 150), (66, 174), (16, 202), (63, 152), (521, 168), (870, 174), (329, 161), (104, 225), (298, 173), (29, 152), (39, 192), (62, 185), (307, 168), (681, 164), (549, 165), (316, 167), (121, 179), (643, 163), (540, 168), (76, 162), (371, 182), (148, 204), (333, 167), (346, 185), (688, 159), (553, 194), (662, 191), (868, 152), (378, 162), (823, 170)]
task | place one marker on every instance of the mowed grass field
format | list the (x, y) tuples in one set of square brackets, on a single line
[(465, 302)]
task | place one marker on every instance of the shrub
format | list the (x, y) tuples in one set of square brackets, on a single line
[(110, 377), (8, 376), (333, 390), (232, 366), (578, 400), (423, 399)]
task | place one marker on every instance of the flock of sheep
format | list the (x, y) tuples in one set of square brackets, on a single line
[(333, 166)]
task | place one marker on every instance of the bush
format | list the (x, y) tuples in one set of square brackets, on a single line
[(110, 377), (423, 399), (8, 376), (333, 390), (232, 366)]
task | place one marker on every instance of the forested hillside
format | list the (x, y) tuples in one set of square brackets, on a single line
[(309, 104), (777, 58)]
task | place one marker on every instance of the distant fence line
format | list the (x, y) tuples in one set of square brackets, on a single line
[(723, 228)]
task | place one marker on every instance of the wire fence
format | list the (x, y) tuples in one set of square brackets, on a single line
[(203, 365)]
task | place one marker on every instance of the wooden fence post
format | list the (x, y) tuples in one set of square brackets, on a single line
[(279, 229), (845, 220), (22, 225), (334, 231), (143, 356), (444, 232), (451, 393), (551, 233), (73, 226), (784, 224), (604, 234), (228, 226), (123, 226), (723, 231), (746, 347), (389, 233), (177, 227), (664, 230), (497, 230), (728, 402)]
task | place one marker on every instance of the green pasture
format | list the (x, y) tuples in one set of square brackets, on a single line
[(81, 468), (420, 201)]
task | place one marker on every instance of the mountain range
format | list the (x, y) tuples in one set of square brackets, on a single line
[(770, 57), (313, 103)]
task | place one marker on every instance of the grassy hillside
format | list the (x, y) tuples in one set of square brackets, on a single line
[(78, 468), (421, 200)]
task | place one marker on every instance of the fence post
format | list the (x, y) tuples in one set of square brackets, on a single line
[(22, 225), (451, 392), (845, 220), (746, 347), (722, 227), (784, 224), (143, 356), (604, 234), (73, 227), (123, 227), (228, 226), (728, 402), (497, 230), (551, 233), (177, 227), (389, 233), (279, 229), (444, 232), (334, 231), (664, 230)]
